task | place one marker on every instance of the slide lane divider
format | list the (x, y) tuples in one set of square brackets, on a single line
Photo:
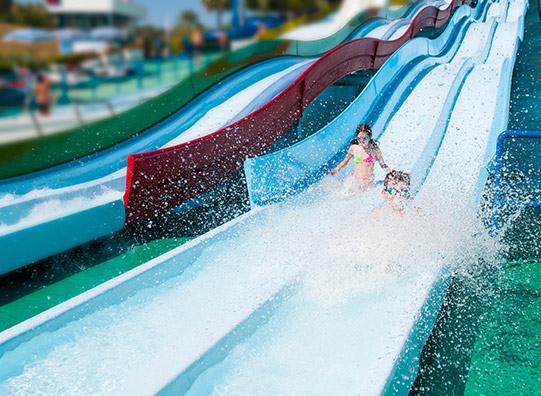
[(38, 153)]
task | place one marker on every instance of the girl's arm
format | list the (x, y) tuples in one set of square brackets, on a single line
[(343, 163), (379, 157)]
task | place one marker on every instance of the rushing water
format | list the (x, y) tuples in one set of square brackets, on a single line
[(337, 255)]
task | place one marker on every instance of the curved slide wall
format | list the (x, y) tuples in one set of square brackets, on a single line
[(163, 179), (44, 152), (104, 162)]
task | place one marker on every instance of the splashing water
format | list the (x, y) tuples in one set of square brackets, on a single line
[(344, 262), (356, 275)]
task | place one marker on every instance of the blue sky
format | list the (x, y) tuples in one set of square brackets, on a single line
[(159, 10)]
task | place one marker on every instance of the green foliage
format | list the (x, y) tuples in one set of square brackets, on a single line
[(189, 18), (282, 5), (5, 9), (149, 31), (216, 4), (187, 21), (8, 63), (65, 59), (34, 15), (219, 6), (291, 8), (175, 44)]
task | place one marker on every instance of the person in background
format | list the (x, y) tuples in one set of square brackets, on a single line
[(261, 30), (42, 95), (197, 41), (223, 41)]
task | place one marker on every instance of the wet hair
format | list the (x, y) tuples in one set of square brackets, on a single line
[(354, 142), (40, 78), (396, 176), (366, 128)]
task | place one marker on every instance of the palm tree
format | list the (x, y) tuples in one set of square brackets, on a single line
[(219, 6), (187, 20), (5, 9)]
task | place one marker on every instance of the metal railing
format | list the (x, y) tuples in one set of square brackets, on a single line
[(27, 108), (497, 200), (78, 103)]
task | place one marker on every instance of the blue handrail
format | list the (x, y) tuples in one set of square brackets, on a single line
[(497, 201)]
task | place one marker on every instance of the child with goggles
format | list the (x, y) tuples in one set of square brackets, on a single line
[(396, 191)]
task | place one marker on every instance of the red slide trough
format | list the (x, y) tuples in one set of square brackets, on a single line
[(160, 180)]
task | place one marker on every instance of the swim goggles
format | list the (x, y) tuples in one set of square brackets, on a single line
[(394, 191), (366, 138)]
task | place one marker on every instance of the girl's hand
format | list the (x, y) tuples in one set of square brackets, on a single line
[(331, 171)]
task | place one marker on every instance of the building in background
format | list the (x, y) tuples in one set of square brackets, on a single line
[(91, 14)]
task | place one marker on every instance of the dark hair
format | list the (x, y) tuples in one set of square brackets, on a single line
[(354, 142), (40, 78), (396, 176), (366, 128)]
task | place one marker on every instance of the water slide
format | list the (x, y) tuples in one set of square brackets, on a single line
[(59, 208), (308, 294), (43, 152)]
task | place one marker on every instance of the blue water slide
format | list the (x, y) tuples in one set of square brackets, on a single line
[(277, 300), (108, 161), (516, 11)]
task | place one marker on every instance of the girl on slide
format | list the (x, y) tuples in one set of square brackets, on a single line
[(364, 150)]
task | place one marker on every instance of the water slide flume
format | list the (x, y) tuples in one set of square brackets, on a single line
[(60, 208), (163, 179), (391, 369), (39, 153), (188, 308), (42, 153)]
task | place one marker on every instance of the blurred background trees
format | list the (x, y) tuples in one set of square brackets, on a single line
[(34, 15), (219, 6)]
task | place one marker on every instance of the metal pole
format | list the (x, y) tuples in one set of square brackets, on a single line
[(78, 114), (238, 13), (33, 117)]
